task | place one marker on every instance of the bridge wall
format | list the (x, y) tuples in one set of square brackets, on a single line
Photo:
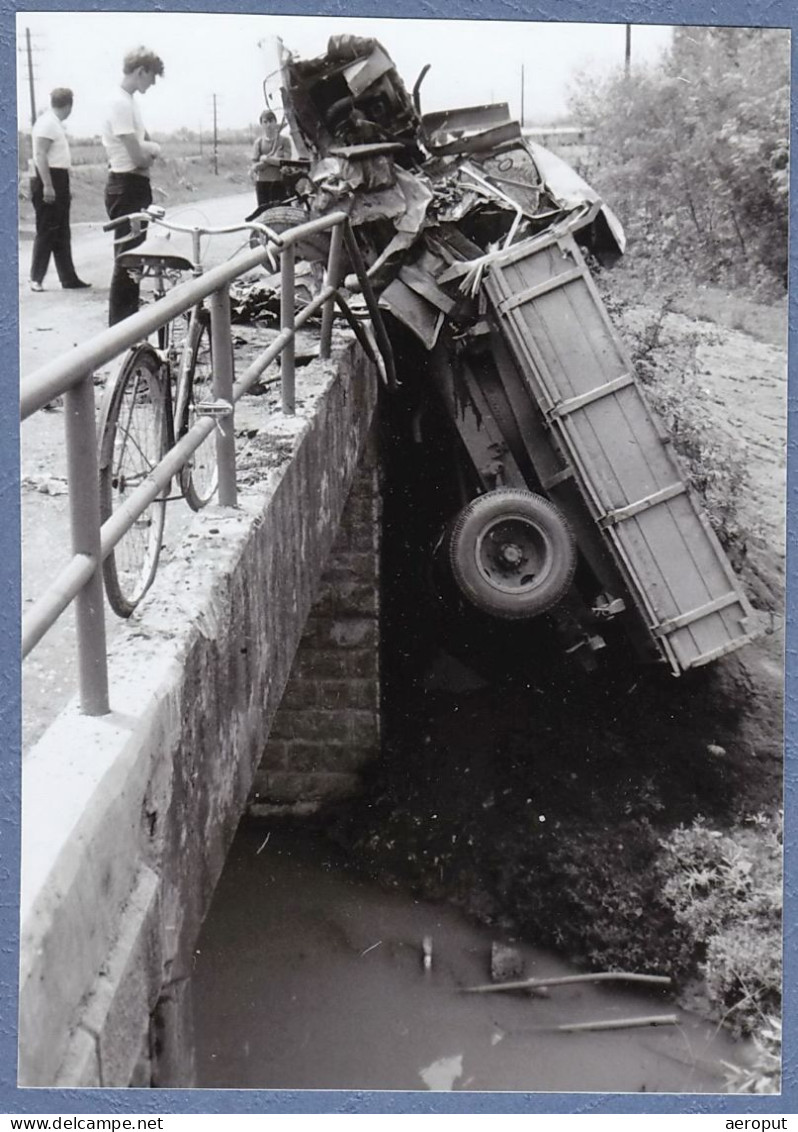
[(328, 724), (127, 818)]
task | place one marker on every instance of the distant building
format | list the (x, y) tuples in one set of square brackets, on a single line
[(575, 144), (554, 137)]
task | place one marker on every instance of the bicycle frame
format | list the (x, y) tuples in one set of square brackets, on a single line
[(171, 357)]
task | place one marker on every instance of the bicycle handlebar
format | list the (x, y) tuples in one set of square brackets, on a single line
[(154, 218)]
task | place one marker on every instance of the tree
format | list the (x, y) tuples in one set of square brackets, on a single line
[(693, 152)]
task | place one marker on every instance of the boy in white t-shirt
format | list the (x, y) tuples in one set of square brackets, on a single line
[(130, 155), (51, 195)]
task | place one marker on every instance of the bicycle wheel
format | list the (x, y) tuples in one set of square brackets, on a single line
[(132, 439), (199, 476)]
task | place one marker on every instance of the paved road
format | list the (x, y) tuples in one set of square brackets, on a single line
[(53, 322), (50, 324)]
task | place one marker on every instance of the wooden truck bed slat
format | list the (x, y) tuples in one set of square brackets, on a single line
[(580, 376)]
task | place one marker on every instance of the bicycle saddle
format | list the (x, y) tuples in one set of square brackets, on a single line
[(156, 251)]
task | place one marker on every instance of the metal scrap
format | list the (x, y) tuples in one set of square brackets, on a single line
[(402, 176)]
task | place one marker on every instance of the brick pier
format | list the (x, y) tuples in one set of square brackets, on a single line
[(328, 724)]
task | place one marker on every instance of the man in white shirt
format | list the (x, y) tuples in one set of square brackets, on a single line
[(51, 196), (130, 154)]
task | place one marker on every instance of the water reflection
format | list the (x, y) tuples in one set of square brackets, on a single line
[(308, 976)]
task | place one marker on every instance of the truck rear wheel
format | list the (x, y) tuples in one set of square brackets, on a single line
[(512, 553)]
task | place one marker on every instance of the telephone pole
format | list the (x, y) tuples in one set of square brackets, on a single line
[(522, 95), (28, 51), (627, 63), (215, 141), (31, 90)]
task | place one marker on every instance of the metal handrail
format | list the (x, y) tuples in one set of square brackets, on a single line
[(72, 376)]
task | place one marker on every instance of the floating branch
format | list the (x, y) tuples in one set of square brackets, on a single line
[(622, 1023), (597, 977)]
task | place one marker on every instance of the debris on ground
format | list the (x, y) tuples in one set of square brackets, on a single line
[(45, 484), (258, 299), (506, 962)]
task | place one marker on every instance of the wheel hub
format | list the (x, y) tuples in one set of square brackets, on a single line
[(511, 554)]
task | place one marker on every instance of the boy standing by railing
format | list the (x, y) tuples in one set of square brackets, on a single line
[(130, 156)]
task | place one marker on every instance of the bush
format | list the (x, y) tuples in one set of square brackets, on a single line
[(692, 154), (764, 1074), (725, 889)]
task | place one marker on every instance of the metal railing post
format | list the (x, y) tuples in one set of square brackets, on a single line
[(223, 376), (287, 376), (332, 280), (84, 507)]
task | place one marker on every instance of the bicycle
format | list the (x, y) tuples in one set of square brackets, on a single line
[(155, 398)]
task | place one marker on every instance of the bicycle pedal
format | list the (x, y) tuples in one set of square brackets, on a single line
[(218, 408)]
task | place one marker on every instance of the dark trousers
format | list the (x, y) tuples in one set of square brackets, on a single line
[(125, 193), (53, 237)]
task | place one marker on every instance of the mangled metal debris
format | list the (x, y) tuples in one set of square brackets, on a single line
[(406, 179)]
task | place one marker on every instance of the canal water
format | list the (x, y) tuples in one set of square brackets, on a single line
[(310, 976)]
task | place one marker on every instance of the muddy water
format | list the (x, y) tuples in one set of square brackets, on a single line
[(309, 976)]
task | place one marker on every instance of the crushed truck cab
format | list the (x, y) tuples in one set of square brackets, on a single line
[(572, 502)]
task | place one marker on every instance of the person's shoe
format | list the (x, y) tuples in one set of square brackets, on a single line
[(75, 285), (35, 286)]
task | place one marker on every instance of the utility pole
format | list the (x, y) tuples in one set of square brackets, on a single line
[(628, 56), (200, 139), (28, 51), (32, 92), (215, 141), (522, 95)]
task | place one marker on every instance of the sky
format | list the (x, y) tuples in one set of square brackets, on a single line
[(473, 62)]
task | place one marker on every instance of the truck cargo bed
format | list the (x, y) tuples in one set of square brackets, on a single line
[(575, 367)]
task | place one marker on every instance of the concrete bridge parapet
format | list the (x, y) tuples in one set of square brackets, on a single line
[(127, 818)]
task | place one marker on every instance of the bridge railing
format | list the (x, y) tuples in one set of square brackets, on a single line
[(71, 377)]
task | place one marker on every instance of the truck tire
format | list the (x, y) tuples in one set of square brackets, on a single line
[(280, 218), (512, 553)]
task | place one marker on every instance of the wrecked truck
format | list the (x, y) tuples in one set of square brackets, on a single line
[(570, 500)]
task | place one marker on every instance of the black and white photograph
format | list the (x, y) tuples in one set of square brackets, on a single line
[(403, 459)]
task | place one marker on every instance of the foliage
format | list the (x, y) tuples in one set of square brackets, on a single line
[(692, 154), (609, 911), (764, 1075), (725, 889)]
